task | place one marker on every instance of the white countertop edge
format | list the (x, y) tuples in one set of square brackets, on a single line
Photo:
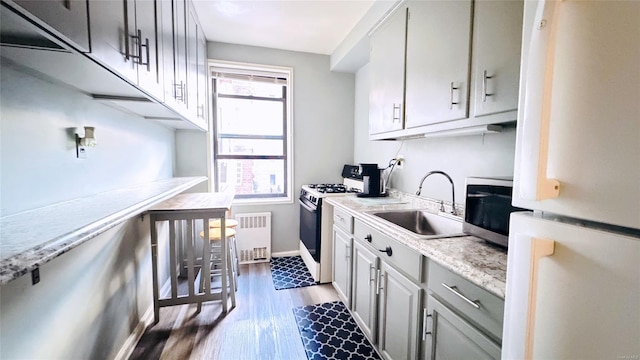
[(467, 271), (28, 260)]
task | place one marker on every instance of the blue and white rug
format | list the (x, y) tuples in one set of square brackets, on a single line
[(290, 272), (328, 331)]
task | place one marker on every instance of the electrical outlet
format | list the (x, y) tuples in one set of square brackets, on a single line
[(400, 160)]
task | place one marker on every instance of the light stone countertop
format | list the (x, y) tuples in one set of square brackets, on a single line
[(34, 237), (468, 256)]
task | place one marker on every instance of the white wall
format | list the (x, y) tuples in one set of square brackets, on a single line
[(322, 127), (460, 156), (88, 300), (37, 145)]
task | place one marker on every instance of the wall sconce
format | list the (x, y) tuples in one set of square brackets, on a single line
[(88, 140)]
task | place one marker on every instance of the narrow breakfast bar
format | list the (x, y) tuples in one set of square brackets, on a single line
[(188, 217)]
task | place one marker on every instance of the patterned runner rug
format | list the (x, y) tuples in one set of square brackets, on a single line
[(329, 332), (290, 272)]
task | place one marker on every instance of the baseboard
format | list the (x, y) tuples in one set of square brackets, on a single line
[(130, 344), (145, 321), (285, 253)]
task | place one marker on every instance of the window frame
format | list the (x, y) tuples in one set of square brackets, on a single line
[(246, 69)]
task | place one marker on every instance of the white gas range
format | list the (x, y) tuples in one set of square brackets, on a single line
[(316, 247)]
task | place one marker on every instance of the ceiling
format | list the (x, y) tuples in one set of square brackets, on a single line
[(314, 26)]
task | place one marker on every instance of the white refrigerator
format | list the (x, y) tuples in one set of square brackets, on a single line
[(573, 270)]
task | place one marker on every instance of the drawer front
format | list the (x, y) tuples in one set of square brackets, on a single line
[(342, 219), (402, 257), (461, 295)]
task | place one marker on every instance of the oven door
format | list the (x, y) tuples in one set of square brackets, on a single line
[(310, 228)]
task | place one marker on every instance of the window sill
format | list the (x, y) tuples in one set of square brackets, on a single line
[(256, 202)]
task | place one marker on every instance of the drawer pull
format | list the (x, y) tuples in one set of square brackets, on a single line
[(368, 237), (454, 289), (387, 250), (339, 218)]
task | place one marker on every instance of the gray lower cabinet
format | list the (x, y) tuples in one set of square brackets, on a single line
[(461, 319), (400, 301), (342, 243), (449, 336), (386, 299), (364, 299)]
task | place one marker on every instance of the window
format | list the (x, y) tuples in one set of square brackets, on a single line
[(252, 131)]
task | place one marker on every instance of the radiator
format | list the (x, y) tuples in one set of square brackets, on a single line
[(253, 237)]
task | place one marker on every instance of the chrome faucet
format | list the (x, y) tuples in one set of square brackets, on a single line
[(453, 193)]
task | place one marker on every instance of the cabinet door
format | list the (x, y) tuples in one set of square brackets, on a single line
[(342, 264), (192, 61), (203, 78), (451, 337), (438, 46), (364, 295), (386, 94), (496, 51), (69, 17), (399, 318), (150, 72), (167, 45), (112, 28), (180, 49)]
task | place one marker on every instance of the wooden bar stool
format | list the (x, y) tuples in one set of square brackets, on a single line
[(216, 260), (229, 223)]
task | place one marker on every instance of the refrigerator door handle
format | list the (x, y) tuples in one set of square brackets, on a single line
[(537, 105), (539, 248)]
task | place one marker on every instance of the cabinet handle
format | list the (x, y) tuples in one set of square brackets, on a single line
[(146, 46), (67, 4), (387, 250), (340, 218), (380, 280), (140, 45), (372, 278), (425, 319), (179, 91), (484, 85), (396, 112), (200, 111), (368, 237), (348, 254), (451, 102), (378, 285), (454, 289)]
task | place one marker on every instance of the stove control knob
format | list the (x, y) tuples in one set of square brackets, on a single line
[(313, 199)]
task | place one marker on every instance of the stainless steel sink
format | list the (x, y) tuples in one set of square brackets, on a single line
[(422, 222)]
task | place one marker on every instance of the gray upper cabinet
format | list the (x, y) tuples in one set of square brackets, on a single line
[(202, 78), (179, 82), (147, 41), (386, 97), (438, 56), (461, 67), (112, 28), (124, 37), (496, 48), (192, 61), (69, 17)]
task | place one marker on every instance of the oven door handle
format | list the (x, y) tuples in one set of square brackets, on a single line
[(307, 206)]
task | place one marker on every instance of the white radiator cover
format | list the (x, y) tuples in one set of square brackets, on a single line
[(253, 237)]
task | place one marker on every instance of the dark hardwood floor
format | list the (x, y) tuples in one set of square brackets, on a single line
[(261, 326)]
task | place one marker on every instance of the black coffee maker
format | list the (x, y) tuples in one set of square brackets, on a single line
[(373, 185)]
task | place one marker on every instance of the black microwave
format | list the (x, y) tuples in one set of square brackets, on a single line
[(487, 208)]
